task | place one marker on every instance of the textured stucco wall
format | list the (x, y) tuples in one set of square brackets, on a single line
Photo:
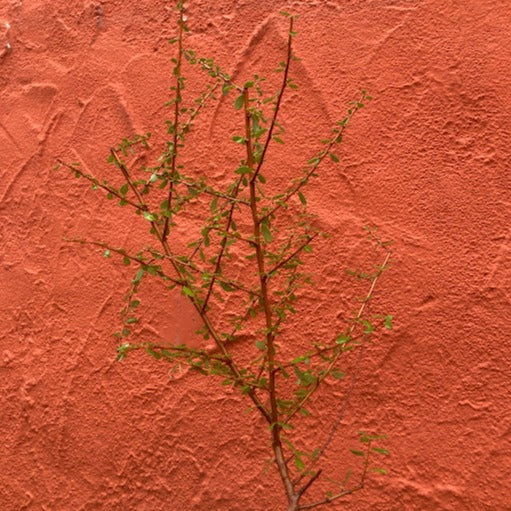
[(427, 161)]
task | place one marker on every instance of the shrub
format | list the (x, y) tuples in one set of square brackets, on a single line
[(245, 270)]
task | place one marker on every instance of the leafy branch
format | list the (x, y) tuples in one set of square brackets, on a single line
[(245, 268)]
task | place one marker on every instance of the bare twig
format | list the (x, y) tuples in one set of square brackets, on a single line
[(344, 493)]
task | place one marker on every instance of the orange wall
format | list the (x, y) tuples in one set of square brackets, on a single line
[(427, 161)]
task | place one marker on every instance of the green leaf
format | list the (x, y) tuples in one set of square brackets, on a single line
[(368, 326), (266, 232), (124, 189), (378, 470), (238, 104), (334, 158), (187, 291), (299, 464), (126, 261), (139, 275), (153, 353), (380, 450), (225, 89), (342, 339), (260, 345), (225, 286), (243, 170), (106, 253), (387, 321), (347, 477), (122, 351), (148, 216), (238, 139), (358, 453), (277, 139), (338, 375), (302, 198)]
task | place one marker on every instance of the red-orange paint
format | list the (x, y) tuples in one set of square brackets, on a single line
[(427, 160)]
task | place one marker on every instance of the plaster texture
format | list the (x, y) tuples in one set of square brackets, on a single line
[(427, 161)]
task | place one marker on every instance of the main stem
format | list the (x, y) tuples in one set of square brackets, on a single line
[(270, 336)]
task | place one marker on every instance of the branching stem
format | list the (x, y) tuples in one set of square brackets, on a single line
[(197, 305), (270, 336), (332, 363)]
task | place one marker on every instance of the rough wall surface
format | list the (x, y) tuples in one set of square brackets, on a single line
[(427, 161)]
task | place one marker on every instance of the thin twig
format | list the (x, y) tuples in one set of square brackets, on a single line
[(225, 78), (309, 483), (344, 493), (96, 182), (279, 100), (223, 246), (177, 72), (123, 252), (340, 415), (304, 180), (193, 114), (332, 363), (294, 254)]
